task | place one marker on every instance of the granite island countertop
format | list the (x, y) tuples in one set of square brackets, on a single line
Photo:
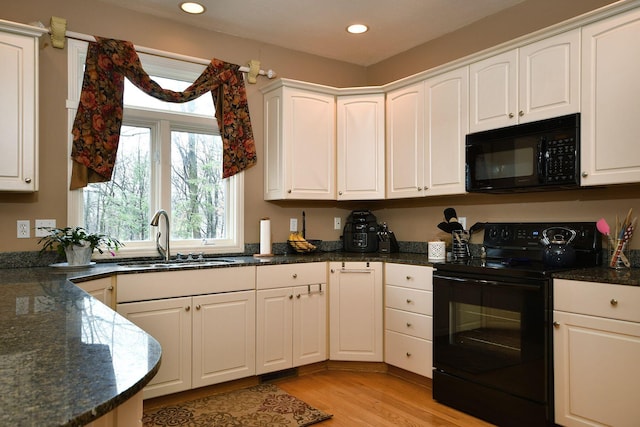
[(66, 359)]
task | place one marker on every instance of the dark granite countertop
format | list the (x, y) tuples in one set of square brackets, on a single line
[(66, 359)]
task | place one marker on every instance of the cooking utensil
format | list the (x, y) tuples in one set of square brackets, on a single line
[(603, 227)]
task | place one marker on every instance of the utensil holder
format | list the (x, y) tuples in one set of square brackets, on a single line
[(460, 244)]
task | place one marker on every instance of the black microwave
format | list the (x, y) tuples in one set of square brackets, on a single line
[(542, 155)]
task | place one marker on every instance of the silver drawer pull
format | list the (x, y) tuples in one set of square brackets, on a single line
[(345, 270), (614, 302)]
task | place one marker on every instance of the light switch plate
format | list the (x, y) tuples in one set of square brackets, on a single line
[(51, 223), (293, 224)]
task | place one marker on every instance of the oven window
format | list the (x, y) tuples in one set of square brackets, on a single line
[(486, 329)]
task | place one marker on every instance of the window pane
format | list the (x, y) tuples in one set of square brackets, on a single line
[(121, 206), (133, 96), (198, 192)]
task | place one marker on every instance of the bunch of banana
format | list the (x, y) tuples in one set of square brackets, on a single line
[(299, 243)]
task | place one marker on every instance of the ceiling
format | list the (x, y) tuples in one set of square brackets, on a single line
[(318, 26)]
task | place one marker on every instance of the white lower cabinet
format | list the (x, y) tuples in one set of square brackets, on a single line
[(596, 354), (355, 311), (291, 313), (408, 318), (102, 289), (206, 339)]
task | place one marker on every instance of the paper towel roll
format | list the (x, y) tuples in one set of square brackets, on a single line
[(265, 236)]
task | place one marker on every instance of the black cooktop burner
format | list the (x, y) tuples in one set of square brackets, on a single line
[(515, 250)]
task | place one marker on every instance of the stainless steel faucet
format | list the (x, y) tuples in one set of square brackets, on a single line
[(155, 222)]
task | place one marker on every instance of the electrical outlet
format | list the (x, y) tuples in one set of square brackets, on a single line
[(463, 221), (50, 223), (337, 223), (24, 229), (293, 224)]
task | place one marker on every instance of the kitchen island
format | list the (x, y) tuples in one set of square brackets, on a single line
[(65, 358)]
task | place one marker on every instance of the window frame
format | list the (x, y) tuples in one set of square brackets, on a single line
[(162, 123)]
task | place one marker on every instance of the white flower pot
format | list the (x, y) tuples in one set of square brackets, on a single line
[(79, 255)]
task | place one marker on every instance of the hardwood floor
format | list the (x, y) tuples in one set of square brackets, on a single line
[(355, 398), (374, 399)]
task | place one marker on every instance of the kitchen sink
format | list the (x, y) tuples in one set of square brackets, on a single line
[(211, 262)]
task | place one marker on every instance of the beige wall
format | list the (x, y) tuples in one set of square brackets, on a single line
[(410, 219)]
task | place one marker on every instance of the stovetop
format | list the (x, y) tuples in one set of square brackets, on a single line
[(515, 249)]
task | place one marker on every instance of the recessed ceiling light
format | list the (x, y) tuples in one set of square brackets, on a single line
[(357, 28), (192, 7)]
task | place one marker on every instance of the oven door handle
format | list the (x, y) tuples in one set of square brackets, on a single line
[(494, 283)]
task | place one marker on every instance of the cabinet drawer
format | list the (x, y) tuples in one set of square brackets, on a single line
[(284, 275), (597, 299), (405, 322), (408, 299), (409, 276), (409, 353)]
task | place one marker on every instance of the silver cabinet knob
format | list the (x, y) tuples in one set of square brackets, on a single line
[(289, 191), (27, 180), (556, 324), (298, 296), (290, 296), (408, 325), (409, 277), (110, 288), (187, 308), (340, 193), (409, 301), (408, 354), (614, 302), (521, 113), (511, 115), (198, 307), (585, 174), (294, 275)]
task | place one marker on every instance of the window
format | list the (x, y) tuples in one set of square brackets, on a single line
[(169, 157)]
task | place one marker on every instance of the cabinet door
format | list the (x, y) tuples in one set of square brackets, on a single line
[(597, 376), (446, 125), (169, 322), (405, 141), (494, 93), (549, 77), (274, 317), (360, 141), (355, 309), (223, 337), (18, 112), (309, 324), (610, 153), (101, 289)]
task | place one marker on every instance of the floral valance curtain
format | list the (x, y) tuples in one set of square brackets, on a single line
[(96, 129)]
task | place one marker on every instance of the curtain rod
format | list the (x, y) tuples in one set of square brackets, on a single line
[(58, 32)]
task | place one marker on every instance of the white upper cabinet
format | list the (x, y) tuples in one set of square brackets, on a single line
[(446, 125), (405, 141), (299, 142), (610, 152), (537, 81), (19, 106), (360, 141), (426, 127)]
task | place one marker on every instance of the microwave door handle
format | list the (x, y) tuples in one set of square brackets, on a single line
[(542, 154)]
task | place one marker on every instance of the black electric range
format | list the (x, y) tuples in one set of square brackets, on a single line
[(492, 317)]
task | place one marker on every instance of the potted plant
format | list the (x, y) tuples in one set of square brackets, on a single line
[(77, 244)]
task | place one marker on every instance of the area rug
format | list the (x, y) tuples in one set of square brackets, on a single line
[(264, 405)]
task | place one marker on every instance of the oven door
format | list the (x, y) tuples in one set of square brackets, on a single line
[(493, 333)]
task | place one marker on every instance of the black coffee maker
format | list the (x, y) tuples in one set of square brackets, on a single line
[(360, 232)]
